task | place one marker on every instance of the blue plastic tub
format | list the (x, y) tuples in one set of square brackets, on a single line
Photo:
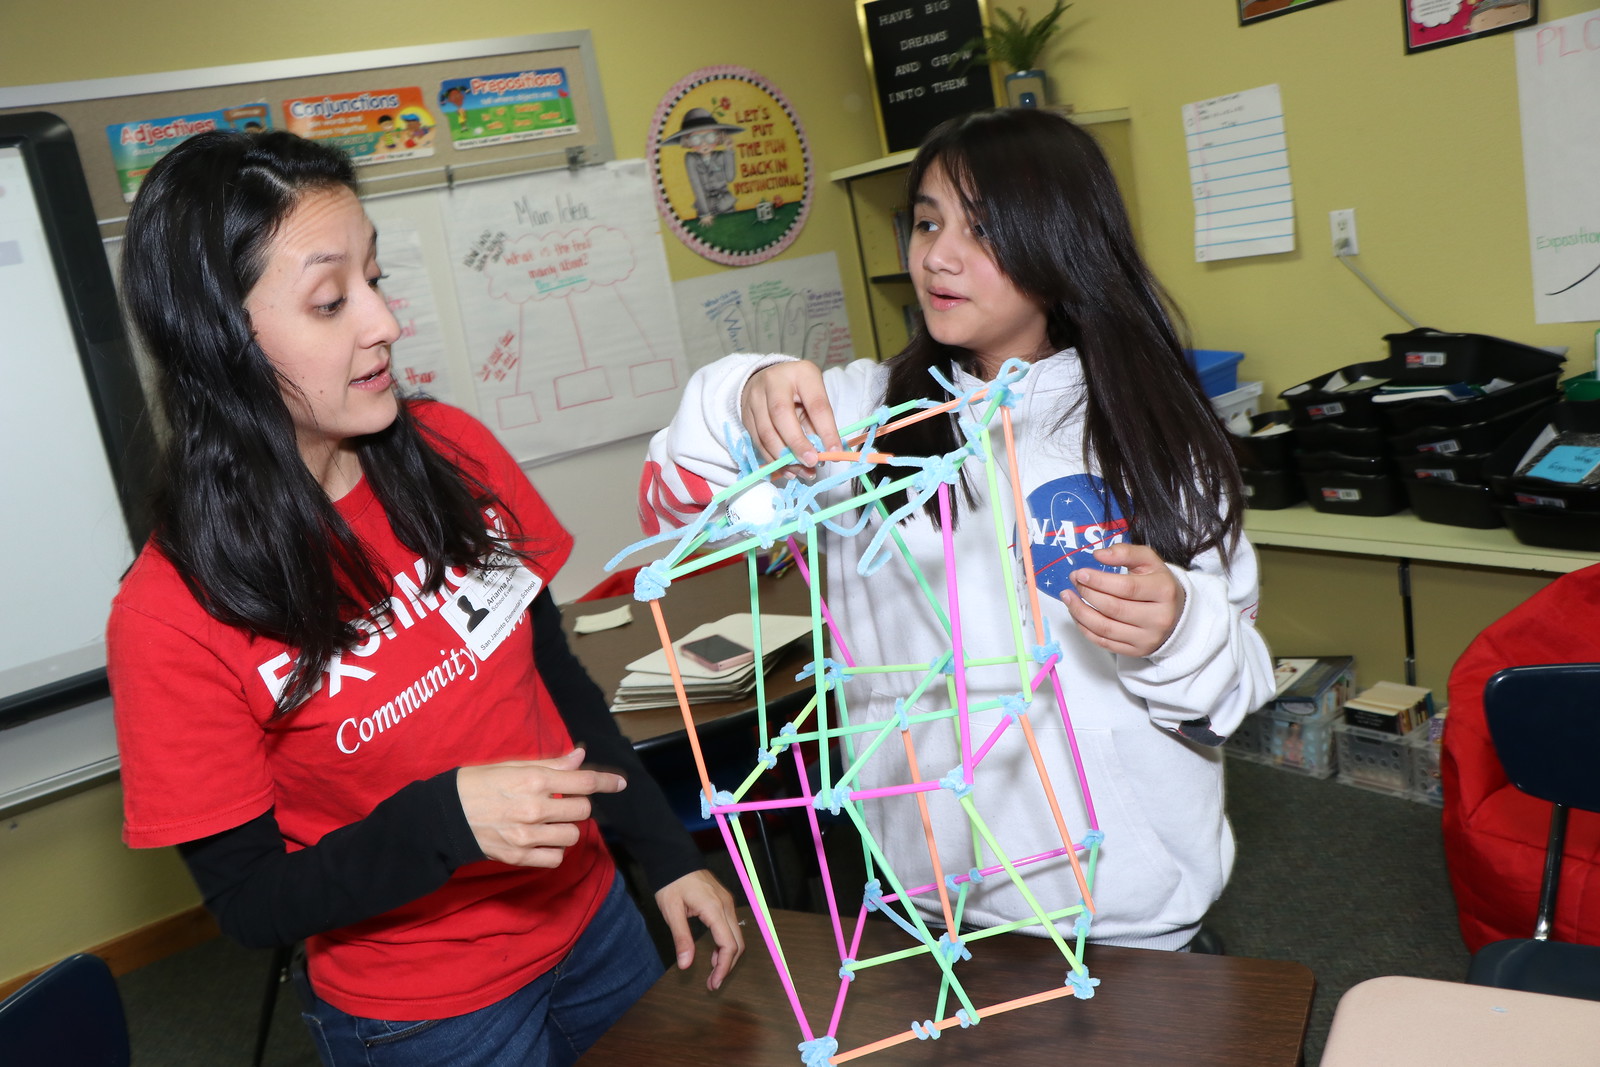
[(1218, 370)]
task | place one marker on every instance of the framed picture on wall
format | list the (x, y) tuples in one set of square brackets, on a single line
[(1256, 10), (1436, 23)]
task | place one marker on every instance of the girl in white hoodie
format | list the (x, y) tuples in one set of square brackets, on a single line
[(1021, 249)]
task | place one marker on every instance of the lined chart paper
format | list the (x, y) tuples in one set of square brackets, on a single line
[(1239, 175)]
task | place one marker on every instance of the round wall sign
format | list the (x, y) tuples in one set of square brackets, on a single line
[(731, 166)]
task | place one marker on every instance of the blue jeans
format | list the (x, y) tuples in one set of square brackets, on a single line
[(550, 1021)]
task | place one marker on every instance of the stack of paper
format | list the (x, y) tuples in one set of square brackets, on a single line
[(648, 683)]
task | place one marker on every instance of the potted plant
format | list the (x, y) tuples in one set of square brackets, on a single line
[(1017, 42)]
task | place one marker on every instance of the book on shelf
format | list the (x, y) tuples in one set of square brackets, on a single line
[(648, 681)]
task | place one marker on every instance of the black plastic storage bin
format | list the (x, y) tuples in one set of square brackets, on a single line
[(1472, 437), (1269, 490), (1342, 463), (1346, 440), (1429, 357), (1450, 503), (1527, 491), (1274, 452), (1338, 493), (1446, 466), (1538, 511)]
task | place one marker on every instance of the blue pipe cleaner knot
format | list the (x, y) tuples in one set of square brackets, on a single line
[(1042, 653), (957, 784), (787, 730), (950, 883), (1015, 706), (925, 1030), (1091, 838), (1082, 985), (952, 950), (722, 797), (830, 799), (900, 714), (1081, 927), (944, 663), (965, 1019), (767, 759), (872, 895), (974, 876), (846, 971), (1011, 371), (973, 430), (818, 1051), (832, 671), (652, 581)]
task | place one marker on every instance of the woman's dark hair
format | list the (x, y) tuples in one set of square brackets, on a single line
[(237, 511), (1057, 228)]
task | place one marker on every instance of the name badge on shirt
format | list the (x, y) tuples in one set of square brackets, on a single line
[(488, 603)]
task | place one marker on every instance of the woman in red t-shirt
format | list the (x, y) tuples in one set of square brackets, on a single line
[(341, 684)]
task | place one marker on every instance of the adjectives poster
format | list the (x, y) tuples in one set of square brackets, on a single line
[(136, 146)]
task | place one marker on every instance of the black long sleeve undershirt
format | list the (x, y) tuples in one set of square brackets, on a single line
[(263, 895)]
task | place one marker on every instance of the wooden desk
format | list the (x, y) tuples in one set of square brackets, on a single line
[(703, 598), (1400, 1022), (1150, 1008)]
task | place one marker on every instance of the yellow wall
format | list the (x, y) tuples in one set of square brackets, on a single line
[(1425, 148)]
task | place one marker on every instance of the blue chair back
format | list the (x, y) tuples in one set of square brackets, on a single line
[(69, 1016), (1545, 722)]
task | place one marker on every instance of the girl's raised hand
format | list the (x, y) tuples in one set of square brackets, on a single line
[(1131, 614), (783, 402)]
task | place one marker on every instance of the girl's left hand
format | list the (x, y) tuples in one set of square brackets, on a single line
[(1131, 614), (698, 894)]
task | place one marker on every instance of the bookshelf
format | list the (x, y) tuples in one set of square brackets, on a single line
[(876, 191)]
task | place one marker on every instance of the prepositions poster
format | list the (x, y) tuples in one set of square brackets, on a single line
[(1558, 86), (491, 109), (571, 330), (793, 306)]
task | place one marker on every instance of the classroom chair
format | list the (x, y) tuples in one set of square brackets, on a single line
[(1545, 722), (68, 1016), (1494, 833)]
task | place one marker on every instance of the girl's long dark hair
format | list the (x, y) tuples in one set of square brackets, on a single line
[(1057, 228), (237, 511)]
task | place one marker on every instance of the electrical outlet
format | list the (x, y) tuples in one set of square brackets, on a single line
[(1343, 225)]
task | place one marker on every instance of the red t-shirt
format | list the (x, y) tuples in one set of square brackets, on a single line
[(450, 683)]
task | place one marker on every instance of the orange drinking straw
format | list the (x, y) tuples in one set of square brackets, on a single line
[(925, 413), (683, 701), (851, 457), (945, 1024)]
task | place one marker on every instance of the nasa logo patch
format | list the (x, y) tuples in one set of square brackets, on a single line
[(1068, 518)]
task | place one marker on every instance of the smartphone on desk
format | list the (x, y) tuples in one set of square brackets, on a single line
[(718, 653)]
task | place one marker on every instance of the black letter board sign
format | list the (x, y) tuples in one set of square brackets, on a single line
[(913, 54)]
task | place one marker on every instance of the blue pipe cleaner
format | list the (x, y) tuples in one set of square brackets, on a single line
[(965, 1019), (788, 730), (830, 800), (818, 1051), (900, 714), (1081, 927), (722, 797), (872, 895), (952, 950), (925, 1030), (845, 971), (767, 759), (1042, 653), (950, 883), (1082, 985), (832, 671), (957, 784), (1092, 838), (1015, 706), (652, 581), (974, 876)]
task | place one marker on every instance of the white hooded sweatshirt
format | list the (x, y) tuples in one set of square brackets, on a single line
[(1147, 728)]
